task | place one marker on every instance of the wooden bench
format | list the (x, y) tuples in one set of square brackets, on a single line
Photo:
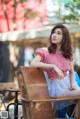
[(36, 101)]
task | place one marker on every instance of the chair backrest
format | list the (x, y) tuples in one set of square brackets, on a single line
[(35, 83), (33, 86)]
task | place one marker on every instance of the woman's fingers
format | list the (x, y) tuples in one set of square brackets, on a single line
[(72, 88), (59, 72)]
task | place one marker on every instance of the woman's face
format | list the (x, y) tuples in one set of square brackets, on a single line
[(57, 36)]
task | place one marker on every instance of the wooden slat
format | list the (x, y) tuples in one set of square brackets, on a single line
[(35, 83)]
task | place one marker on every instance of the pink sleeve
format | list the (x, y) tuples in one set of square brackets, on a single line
[(40, 52)]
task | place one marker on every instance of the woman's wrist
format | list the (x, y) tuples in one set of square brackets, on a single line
[(73, 85), (53, 66)]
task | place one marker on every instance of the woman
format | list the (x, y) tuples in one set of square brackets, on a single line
[(57, 62)]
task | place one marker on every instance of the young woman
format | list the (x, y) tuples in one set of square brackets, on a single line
[(57, 62)]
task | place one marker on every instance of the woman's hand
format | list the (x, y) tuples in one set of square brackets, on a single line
[(58, 71), (73, 87), (73, 84)]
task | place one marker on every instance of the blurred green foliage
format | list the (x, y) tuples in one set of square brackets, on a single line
[(73, 9)]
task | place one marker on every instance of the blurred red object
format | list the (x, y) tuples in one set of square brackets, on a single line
[(25, 16)]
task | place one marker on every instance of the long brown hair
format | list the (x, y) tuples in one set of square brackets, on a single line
[(66, 42)]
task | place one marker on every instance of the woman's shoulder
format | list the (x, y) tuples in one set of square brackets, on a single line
[(45, 48), (41, 51)]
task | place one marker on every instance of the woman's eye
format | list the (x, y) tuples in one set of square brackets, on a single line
[(59, 33)]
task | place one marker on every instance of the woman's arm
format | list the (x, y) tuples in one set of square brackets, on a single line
[(72, 77), (36, 62)]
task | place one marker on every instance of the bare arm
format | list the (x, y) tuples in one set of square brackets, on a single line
[(36, 62), (72, 77)]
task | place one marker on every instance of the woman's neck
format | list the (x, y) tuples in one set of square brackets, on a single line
[(58, 47)]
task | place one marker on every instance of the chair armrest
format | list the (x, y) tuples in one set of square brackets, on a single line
[(25, 100), (66, 98), (52, 99)]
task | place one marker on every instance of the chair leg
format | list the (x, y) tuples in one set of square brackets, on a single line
[(71, 110), (54, 110), (77, 112), (79, 109)]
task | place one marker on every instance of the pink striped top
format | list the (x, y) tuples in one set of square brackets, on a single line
[(54, 58)]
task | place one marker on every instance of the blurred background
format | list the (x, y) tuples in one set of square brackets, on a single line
[(25, 25)]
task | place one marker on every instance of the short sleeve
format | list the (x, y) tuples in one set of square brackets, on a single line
[(40, 52)]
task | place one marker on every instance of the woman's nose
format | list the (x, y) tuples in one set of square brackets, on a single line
[(54, 35)]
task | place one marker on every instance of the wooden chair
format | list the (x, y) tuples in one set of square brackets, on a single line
[(36, 101)]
